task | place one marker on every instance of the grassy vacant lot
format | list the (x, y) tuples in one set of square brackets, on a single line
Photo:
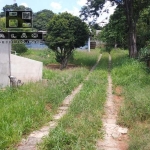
[(27, 108), (46, 56), (79, 58), (81, 126), (135, 112)]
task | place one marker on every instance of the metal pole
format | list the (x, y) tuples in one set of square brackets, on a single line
[(89, 44)]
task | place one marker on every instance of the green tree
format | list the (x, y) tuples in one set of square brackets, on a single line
[(3, 27), (143, 29), (19, 48), (2, 24), (143, 35), (41, 19), (16, 7), (114, 34), (96, 26), (66, 32), (13, 7), (132, 12)]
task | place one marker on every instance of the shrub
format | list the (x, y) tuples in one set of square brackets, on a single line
[(144, 53), (19, 48)]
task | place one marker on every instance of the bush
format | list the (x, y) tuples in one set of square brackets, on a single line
[(144, 53), (19, 48)]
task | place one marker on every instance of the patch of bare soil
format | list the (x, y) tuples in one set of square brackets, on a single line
[(57, 66), (115, 136), (118, 90), (48, 107)]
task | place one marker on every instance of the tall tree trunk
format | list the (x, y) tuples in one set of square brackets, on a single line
[(132, 29), (64, 63), (65, 55), (132, 41)]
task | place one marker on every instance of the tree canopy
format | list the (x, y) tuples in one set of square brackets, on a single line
[(114, 34), (3, 24), (41, 18), (132, 9), (66, 32), (14, 7)]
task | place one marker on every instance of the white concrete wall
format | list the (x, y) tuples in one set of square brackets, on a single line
[(25, 69), (4, 63)]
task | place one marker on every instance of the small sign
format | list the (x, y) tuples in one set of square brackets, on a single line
[(21, 35), (19, 19)]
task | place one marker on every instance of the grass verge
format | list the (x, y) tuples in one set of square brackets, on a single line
[(81, 126), (27, 108), (46, 56), (80, 57), (135, 111)]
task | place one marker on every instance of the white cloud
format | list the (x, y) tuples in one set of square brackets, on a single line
[(74, 11), (81, 2), (24, 4), (56, 5)]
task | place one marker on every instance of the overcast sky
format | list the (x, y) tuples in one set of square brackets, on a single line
[(71, 6)]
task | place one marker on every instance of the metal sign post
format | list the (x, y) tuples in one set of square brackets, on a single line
[(89, 44), (5, 49)]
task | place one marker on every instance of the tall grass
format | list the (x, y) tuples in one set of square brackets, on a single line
[(30, 106), (27, 108), (135, 112), (84, 58), (80, 58), (46, 56), (81, 126)]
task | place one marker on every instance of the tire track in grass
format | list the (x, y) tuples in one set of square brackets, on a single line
[(114, 134), (36, 137)]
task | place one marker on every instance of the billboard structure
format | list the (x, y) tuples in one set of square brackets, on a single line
[(15, 20)]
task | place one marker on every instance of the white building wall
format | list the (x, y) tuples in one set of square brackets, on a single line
[(4, 63), (25, 69)]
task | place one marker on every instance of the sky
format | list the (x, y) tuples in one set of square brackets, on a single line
[(71, 6)]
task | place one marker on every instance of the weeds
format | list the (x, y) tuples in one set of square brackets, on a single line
[(79, 58), (81, 126), (28, 107), (46, 56), (84, 58), (129, 74)]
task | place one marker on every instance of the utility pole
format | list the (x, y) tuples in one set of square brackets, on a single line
[(89, 44), (89, 41)]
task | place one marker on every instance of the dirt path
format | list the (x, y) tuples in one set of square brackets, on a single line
[(115, 136), (36, 137)]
